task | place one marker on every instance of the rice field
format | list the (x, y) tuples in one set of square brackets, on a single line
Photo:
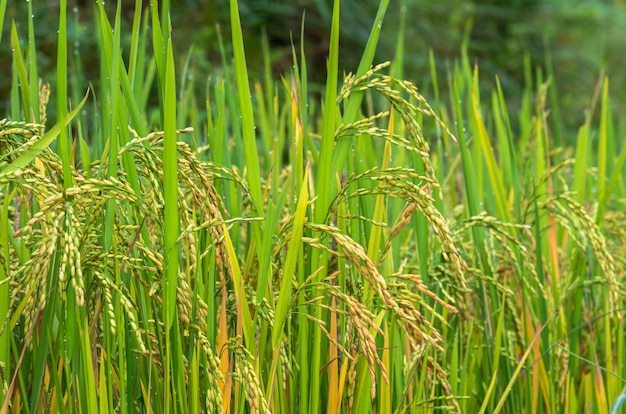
[(253, 248)]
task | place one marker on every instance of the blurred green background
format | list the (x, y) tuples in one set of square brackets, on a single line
[(583, 39)]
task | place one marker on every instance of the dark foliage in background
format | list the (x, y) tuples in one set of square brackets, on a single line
[(583, 38)]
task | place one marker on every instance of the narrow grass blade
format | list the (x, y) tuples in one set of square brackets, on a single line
[(353, 105), (284, 296), (323, 192), (170, 188), (103, 389), (248, 128), (497, 349), (5, 293), (33, 70), (247, 116), (606, 146), (243, 308), (64, 145), (3, 9), (509, 152), (583, 152), (134, 68), (493, 169), (616, 176), (22, 74), (324, 171), (384, 405), (380, 208), (380, 214), (520, 366), (603, 140)]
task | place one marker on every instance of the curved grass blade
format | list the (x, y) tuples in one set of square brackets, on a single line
[(617, 404), (29, 154)]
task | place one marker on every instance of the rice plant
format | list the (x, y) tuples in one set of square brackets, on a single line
[(260, 251)]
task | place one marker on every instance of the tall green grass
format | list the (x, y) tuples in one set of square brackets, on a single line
[(254, 249)]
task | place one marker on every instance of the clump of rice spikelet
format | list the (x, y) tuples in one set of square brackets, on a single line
[(437, 374), (362, 321), (394, 181), (615, 234), (563, 355), (200, 194), (36, 271), (214, 397), (351, 384), (502, 259), (44, 96), (17, 137), (246, 376), (385, 85), (74, 259), (65, 258), (192, 256), (417, 326), (401, 223), (398, 182), (286, 362), (199, 205), (583, 230), (129, 308)]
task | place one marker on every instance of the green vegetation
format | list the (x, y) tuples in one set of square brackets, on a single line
[(251, 248)]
